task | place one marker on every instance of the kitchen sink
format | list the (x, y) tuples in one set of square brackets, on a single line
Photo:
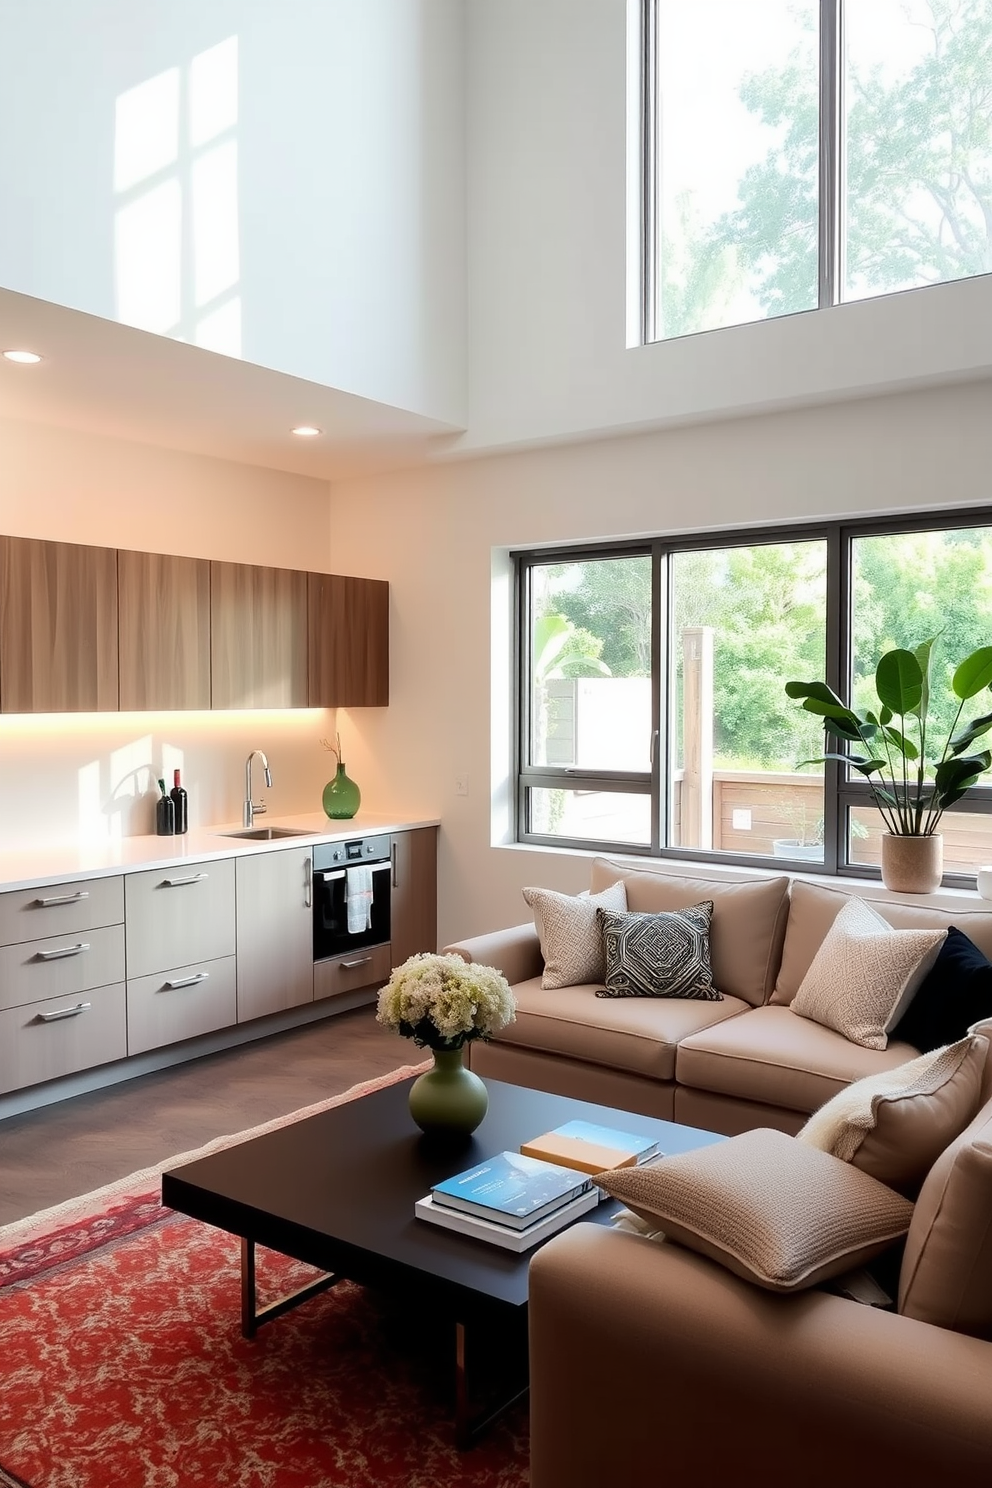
[(268, 834)]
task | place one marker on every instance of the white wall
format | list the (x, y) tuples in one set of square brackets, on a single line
[(92, 775), (348, 204), (440, 536), (546, 99)]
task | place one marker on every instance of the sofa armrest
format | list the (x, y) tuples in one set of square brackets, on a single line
[(650, 1364), (515, 952)]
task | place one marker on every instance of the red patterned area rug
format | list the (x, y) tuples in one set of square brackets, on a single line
[(122, 1363)]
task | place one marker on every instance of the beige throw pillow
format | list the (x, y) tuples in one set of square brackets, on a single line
[(570, 934), (894, 1125), (769, 1208), (865, 974)]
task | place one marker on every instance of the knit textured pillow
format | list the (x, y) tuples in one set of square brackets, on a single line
[(659, 955), (894, 1125), (570, 934), (865, 974), (767, 1207)]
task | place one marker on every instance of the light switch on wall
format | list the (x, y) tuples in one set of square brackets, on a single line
[(461, 785)]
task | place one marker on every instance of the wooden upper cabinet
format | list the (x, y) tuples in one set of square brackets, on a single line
[(349, 642), (164, 631), (58, 627), (258, 636)]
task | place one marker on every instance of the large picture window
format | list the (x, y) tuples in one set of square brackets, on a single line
[(802, 153), (652, 704)]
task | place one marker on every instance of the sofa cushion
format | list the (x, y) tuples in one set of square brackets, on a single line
[(773, 1056), (946, 1276), (746, 930), (769, 1209), (659, 955), (864, 974), (813, 909), (570, 933), (956, 992), (633, 1034), (894, 1125)]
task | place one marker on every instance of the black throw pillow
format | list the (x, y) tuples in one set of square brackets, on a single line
[(956, 993)]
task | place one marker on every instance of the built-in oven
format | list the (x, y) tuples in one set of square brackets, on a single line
[(352, 883)]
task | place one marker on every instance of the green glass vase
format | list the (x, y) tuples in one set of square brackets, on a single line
[(448, 1100), (341, 797)]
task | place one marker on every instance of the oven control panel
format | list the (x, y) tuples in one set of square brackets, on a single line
[(340, 854)]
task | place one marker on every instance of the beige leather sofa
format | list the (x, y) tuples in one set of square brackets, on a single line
[(727, 1066), (652, 1364)]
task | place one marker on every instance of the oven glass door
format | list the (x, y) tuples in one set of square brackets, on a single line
[(343, 918)]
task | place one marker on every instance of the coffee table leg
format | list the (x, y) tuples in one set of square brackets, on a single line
[(469, 1427), (252, 1317)]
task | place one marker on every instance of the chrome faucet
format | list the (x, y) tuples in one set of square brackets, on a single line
[(251, 808)]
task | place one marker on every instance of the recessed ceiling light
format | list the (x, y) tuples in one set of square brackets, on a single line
[(307, 431), (22, 356)]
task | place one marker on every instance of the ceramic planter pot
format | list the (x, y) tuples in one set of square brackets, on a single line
[(912, 865)]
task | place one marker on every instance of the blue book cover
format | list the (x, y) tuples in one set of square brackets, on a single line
[(606, 1136), (511, 1188)]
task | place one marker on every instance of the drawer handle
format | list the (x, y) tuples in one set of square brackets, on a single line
[(361, 961), (177, 883), (60, 951), (190, 981), (73, 1012), (61, 899)]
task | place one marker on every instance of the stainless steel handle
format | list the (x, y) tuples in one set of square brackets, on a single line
[(177, 883), (361, 961), (73, 1012), (61, 899), (382, 867), (308, 884), (330, 877), (56, 955), (190, 981), (392, 860)]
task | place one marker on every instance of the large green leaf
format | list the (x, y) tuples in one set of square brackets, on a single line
[(902, 743), (818, 690), (974, 673), (899, 682), (975, 729), (842, 729), (922, 654), (952, 773)]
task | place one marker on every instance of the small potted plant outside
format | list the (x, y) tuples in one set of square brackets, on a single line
[(913, 777), (807, 845)]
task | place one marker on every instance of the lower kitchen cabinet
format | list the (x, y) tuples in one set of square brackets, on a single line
[(351, 972), (61, 1036), (275, 931), (175, 916), (414, 903), (179, 1004)]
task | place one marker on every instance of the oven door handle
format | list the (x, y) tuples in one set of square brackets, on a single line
[(382, 867)]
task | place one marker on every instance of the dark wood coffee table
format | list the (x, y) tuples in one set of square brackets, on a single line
[(337, 1191)]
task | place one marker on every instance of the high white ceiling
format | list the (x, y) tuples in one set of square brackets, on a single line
[(106, 378)]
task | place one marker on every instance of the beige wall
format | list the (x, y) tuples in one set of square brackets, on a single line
[(94, 774), (440, 535)]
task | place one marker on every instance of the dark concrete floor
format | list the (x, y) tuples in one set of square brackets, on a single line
[(68, 1149)]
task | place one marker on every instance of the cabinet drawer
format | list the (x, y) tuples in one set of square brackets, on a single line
[(175, 916), (60, 909), (172, 1005), (60, 1036), (61, 965), (348, 973)]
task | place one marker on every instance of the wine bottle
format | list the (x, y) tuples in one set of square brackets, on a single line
[(180, 804), (165, 813)]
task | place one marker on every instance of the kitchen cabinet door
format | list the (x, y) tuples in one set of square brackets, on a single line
[(349, 641), (414, 902), (258, 636), (164, 633), (58, 627), (275, 931)]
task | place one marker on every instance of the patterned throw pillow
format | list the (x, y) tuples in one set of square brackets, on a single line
[(770, 1209), (865, 974), (659, 955), (894, 1125), (570, 934)]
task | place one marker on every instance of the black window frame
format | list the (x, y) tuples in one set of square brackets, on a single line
[(841, 792)]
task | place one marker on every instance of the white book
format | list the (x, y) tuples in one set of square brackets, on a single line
[(497, 1234)]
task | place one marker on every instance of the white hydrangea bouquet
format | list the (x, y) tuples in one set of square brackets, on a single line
[(443, 1002)]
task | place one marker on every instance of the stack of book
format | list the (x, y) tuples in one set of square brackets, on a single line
[(590, 1148), (510, 1200)]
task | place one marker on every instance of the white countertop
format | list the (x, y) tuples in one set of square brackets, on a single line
[(26, 868)]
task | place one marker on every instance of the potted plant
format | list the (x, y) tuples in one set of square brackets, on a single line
[(913, 777)]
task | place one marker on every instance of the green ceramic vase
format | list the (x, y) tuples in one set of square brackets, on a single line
[(448, 1099), (341, 797)]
